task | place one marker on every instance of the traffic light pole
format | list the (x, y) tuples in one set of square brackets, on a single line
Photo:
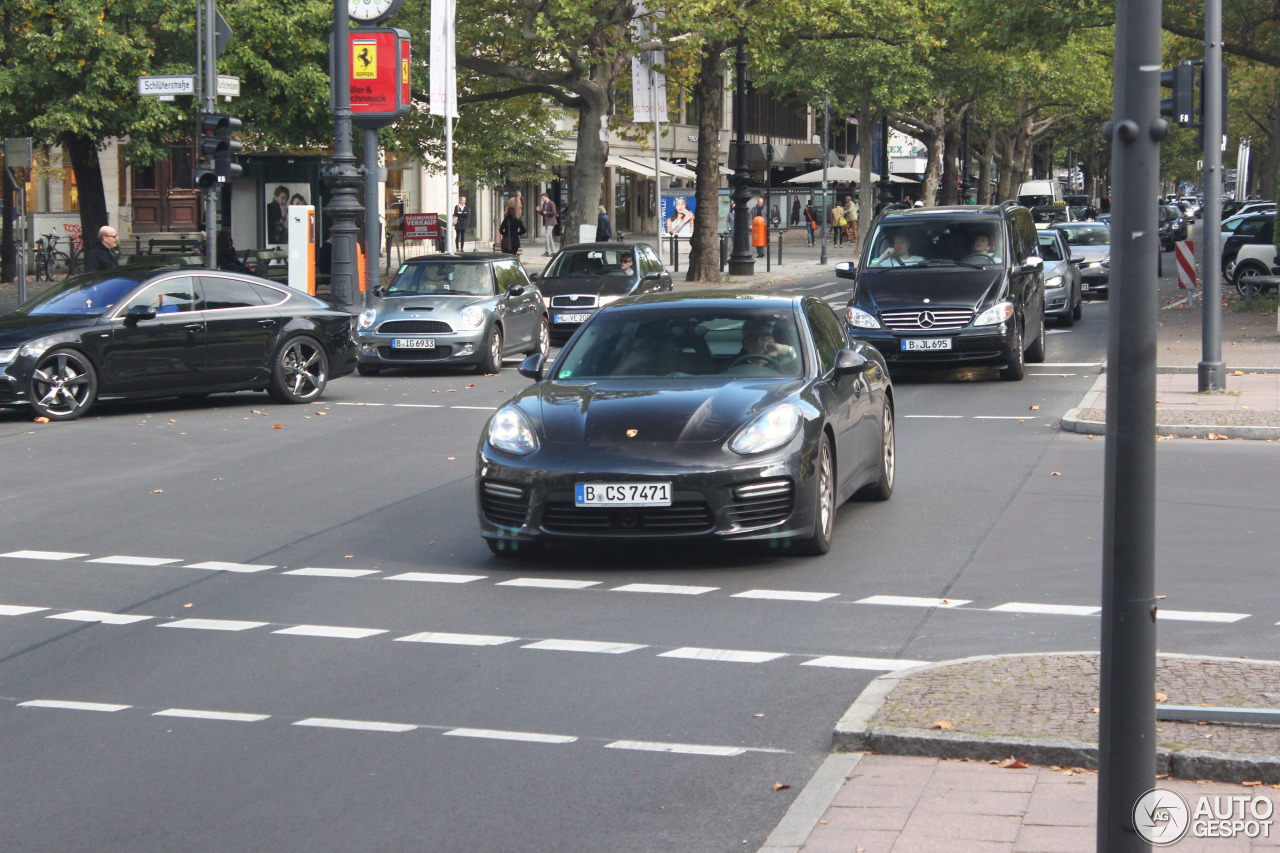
[(210, 104), (1212, 371), (343, 176)]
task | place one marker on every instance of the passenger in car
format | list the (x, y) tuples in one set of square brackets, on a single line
[(897, 254)]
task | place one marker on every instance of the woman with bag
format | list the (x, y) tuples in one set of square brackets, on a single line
[(810, 222), (511, 229)]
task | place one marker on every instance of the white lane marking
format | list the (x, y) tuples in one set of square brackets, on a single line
[(361, 404), (785, 595), (667, 589), (456, 639), (359, 725), (434, 577), (97, 616), (1199, 616), (583, 646), (418, 405), (912, 601), (722, 655), (1057, 331), (331, 631), (1048, 365), (946, 417), (121, 560), (1052, 609), (1051, 374), (477, 408), (527, 737), (548, 583), (43, 555), (682, 748), (213, 624), (18, 610), (214, 565), (73, 706), (332, 573), (1002, 417), (230, 716), (877, 664)]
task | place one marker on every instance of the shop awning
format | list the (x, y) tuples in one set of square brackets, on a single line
[(668, 168), (628, 166)]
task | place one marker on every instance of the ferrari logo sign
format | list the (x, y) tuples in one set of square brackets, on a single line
[(364, 59)]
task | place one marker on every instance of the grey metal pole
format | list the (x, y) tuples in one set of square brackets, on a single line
[(343, 176), (210, 105), (826, 204), (1126, 724), (1212, 371), (372, 229), (741, 259)]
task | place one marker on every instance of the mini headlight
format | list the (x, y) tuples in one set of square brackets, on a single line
[(998, 313), (770, 429), (471, 317), (510, 432), (859, 319), (8, 355), (367, 317), (1053, 281)]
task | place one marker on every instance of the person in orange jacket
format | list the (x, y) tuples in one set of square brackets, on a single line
[(759, 234)]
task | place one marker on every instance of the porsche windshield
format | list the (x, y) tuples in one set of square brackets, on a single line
[(937, 242)]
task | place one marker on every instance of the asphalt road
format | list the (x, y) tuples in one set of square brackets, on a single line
[(217, 634)]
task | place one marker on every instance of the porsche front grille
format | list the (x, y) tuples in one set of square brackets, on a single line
[(761, 504), (504, 503), (681, 517)]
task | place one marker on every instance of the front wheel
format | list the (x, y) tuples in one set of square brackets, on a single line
[(1036, 352), (491, 358), (1245, 279), (299, 372), (824, 504), (542, 343), (63, 385), (883, 489), (1017, 367)]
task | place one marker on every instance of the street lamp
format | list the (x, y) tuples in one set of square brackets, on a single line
[(343, 176), (741, 261), (826, 141)]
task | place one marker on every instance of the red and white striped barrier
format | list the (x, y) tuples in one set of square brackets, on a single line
[(1185, 252)]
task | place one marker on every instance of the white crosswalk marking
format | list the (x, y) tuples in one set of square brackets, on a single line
[(43, 555), (332, 573), (911, 601), (785, 595), (214, 565), (121, 560), (456, 639), (435, 577), (96, 616), (527, 737), (211, 715), (669, 589), (1199, 616), (682, 748), (73, 706), (874, 664), (1048, 609), (549, 583), (357, 725), (18, 610), (331, 631), (722, 655), (583, 646), (213, 624)]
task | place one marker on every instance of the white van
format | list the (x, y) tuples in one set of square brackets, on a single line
[(1038, 193)]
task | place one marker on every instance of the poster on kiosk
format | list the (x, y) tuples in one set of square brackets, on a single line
[(302, 248)]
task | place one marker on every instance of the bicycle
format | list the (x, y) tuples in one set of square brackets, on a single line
[(50, 261)]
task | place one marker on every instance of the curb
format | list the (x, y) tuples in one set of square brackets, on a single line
[(1073, 422), (854, 733)]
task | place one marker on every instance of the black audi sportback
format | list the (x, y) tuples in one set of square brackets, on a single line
[(168, 332)]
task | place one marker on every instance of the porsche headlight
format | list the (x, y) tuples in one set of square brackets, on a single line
[(510, 432), (471, 317), (1053, 281), (998, 313), (859, 319), (367, 318), (768, 430), (8, 355)]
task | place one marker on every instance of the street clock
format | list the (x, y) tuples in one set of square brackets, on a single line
[(372, 11)]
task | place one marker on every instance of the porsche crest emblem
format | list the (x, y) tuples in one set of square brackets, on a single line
[(632, 433)]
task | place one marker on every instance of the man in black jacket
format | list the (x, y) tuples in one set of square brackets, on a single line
[(104, 254)]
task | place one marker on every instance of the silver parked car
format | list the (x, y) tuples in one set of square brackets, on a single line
[(473, 309), (1062, 293), (1090, 244)]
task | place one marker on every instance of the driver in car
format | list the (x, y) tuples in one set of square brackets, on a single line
[(898, 254), (757, 340), (982, 245), (625, 266)]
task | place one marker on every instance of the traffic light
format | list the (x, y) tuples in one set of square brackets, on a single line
[(1181, 107), (227, 149), (1204, 93), (206, 149)]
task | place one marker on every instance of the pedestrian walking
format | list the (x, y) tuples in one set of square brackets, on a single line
[(104, 254), (810, 222), (850, 217), (759, 234), (603, 229), (461, 213), (795, 212), (760, 208), (511, 230), (550, 219), (837, 222), (732, 208)]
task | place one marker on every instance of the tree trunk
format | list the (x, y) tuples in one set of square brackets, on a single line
[(704, 245), (1271, 167), (933, 143), (951, 149), (83, 153), (593, 149), (866, 189)]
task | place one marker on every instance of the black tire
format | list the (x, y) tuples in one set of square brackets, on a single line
[(299, 371), (42, 267), (824, 504), (542, 342), (63, 385), (512, 548), (491, 358), (1017, 368), (1036, 352), (61, 264), (1077, 311), (368, 370), (1243, 274), (883, 489), (1068, 319)]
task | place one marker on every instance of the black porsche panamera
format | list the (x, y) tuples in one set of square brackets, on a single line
[(168, 332), (731, 416)]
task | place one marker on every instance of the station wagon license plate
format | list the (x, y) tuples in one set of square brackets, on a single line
[(571, 318), (925, 344), (622, 494), (413, 343)]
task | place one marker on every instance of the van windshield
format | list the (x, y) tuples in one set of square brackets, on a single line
[(968, 241)]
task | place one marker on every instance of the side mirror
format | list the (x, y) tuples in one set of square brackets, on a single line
[(850, 362), (140, 312), (534, 276), (378, 292), (1033, 263), (515, 290), (653, 276), (532, 366), (846, 269)]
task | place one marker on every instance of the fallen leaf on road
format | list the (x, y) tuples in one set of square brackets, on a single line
[(1160, 697), (256, 412), (157, 491), (940, 724), (757, 715), (278, 426), (1162, 596), (780, 786), (188, 604), (172, 421), (432, 542), (472, 385), (42, 420), (1035, 408), (1089, 437), (1056, 767), (1013, 764), (1055, 474), (217, 479), (1238, 373), (450, 458), (1213, 436), (348, 557), (322, 413), (1253, 783), (1094, 709)]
